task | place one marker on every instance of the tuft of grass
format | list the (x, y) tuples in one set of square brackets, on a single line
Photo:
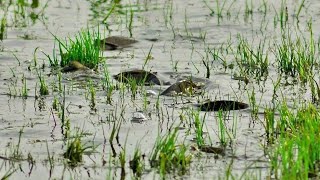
[(297, 152), (84, 48), (168, 156), (296, 57), (130, 21), (24, 91), (3, 26), (76, 149), (198, 124), (92, 94), (17, 153), (137, 163), (222, 128), (43, 85), (134, 88), (252, 62)]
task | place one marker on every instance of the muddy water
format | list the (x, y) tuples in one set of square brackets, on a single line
[(179, 41)]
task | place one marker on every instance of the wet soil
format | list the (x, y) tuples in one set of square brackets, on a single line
[(178, 34)]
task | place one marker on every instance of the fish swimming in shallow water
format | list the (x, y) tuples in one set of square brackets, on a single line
[(116, 42), (141, 77), (224, 105)]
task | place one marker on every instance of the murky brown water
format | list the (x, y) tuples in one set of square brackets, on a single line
[(178, 48)]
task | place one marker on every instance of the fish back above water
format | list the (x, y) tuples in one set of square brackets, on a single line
[(119, 41), (140, 76), (224, 105)]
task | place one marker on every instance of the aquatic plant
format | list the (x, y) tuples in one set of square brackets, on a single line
[(248, 8), (222, 129), (254, 104), (168, 156), (50, 157), (296, 153), (75, 150), (24, 13), (92, 95), (130, 22), (122, 159), (133, 84), (3, 26), (65, 122), (207, 64), (115, 134), (24, 90), (198, 125), (43, 85), (251, 62), (137, 163), (302, 4), (148, 57), (296, 57), (17, 153), (85, 49)]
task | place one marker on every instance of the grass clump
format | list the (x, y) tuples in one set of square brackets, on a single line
[(252, 62), (297, 152), (75, 150), (85, 49), (297, 57), (198, 127), (137, 163), (168, 156), (43, 85)]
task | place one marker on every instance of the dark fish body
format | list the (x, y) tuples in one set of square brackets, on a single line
[(116, 42), (109, 46), (120, 41), (141, 77), (224, 105)]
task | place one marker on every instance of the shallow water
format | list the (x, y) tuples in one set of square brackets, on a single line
[(181, 40)]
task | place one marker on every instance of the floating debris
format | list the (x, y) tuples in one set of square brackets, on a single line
[(140, 77), (74, 66), (116, 42), (224, 105), (183, 87)]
